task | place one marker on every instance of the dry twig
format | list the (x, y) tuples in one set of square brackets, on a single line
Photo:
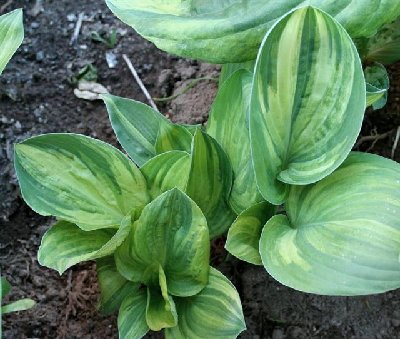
[(396, 141), (4, 7), (77, 30)]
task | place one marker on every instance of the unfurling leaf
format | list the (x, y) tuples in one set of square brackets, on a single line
[(341, 235), (308, 102), (79, 179), (377, 81)]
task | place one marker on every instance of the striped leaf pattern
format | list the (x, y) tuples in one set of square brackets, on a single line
[(132, 316), (308, 101), (79, 179), (173, 137), (341, 236), (11, 36), (208, 29), (114, 287), (216, 312), (171, 232), (245, 233), (228, 125), (65, 244)]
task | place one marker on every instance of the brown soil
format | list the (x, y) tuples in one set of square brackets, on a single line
[(36, 97)]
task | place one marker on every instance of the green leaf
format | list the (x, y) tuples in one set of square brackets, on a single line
[(17, 306), (384, 47), (171, 232), (210, 182), (244, 234), (341, 235), (161, 310), (11, 36), (173, 138), (228, 125), (132, 316), (136, 126), (5, 287), (308, 102), (216, 312), (227, 70), (166, 171), (114, 287), (232, 30), (377, 85), (79, 179), (65, 244)]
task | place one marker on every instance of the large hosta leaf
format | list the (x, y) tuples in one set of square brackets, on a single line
[(11, 36), (172, 233), (65, 244), (228, 125), (216, 312), (341, 235), (232, 30), (114, 287), (205, 175), (244, 234), (308, 101), (79, 179), (132, 316)]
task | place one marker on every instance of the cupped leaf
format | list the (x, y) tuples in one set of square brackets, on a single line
[(79, 179), (172, 233), (245, 233), (210, 182), (228, 125), (173, 137), (384, 47), (166, 171), (161, 310), (308, 102), (65, 244), (114, 287), (5, 288), (132, 316), (216, 312), (11, 36), (136, 126), (341, 236), (209, 29), (377, 80), (17, 306)]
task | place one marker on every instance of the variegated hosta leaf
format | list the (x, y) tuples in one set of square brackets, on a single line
[(166, 171), (227, 70), (384, 47), (79, 179), (17, 306), (210, 182), (11, 36), (173, 138), (65, 244), (161, 310), (205, 175), (232, 30), (244, 234), (377, 85), (114, 287), (308, 102), (136, 126), (341, 235), (132, 316), (216, 312), (171, 232), (228, 125)]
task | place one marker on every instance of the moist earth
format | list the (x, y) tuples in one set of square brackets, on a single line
[(37, 96)]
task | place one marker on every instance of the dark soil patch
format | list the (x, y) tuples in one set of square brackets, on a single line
[(36, 97)]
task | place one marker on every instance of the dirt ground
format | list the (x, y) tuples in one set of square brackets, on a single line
[(36, 96)]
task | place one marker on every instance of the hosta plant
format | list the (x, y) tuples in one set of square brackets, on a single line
[(150, 239)]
